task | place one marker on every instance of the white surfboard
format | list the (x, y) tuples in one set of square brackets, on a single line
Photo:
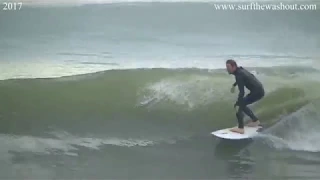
[(249, 132)]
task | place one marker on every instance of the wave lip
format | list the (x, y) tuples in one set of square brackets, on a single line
[(30, 69)]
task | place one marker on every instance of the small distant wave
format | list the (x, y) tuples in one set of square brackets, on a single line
[(102, 55)]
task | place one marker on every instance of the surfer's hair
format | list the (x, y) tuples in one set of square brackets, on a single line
[(232, 62)]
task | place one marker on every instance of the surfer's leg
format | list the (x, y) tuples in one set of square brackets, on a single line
[(251, 98), (254, 120), (240, 128), (249, 113), (239, 115)]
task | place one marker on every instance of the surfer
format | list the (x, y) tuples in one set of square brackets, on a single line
[(245, 79)]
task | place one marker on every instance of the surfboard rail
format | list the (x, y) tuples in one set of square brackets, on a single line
[(249, 132)]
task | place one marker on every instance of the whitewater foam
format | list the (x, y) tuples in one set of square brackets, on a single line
[(298, 131), (190, 91), (299, 142), (68, 145)]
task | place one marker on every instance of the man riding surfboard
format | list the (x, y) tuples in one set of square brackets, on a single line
[(245, 79)]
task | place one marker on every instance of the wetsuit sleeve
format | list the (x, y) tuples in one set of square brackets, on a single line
[(240, 83)]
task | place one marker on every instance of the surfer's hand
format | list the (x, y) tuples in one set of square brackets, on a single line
[(232, 89), (235, 105)]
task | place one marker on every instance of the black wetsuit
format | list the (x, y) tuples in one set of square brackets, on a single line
[(245, 79)]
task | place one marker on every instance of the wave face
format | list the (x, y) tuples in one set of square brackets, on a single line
[(155, 103)]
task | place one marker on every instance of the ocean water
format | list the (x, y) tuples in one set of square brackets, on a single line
[(132, 90)]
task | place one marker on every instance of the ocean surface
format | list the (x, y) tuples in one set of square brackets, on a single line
[(133, 89)]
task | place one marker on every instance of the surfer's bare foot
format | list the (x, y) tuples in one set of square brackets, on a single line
[(237, 130), (253, 124)]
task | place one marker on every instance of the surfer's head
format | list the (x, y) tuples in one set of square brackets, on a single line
[(231, 66)]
